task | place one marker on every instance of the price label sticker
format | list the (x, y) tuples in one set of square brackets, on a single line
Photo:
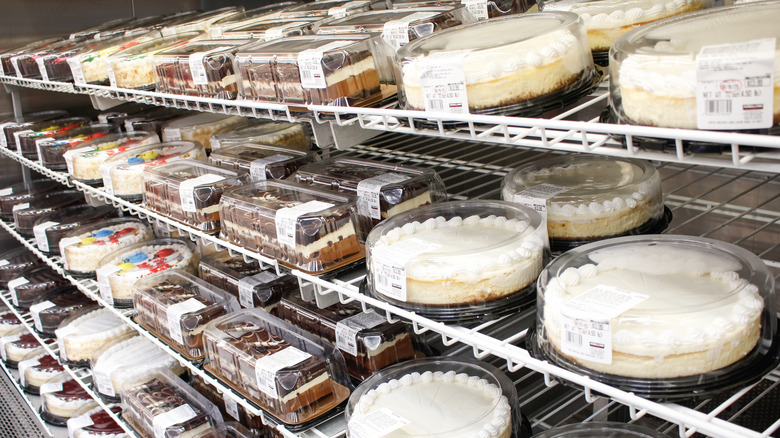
[(310, 65), (41, 61), (735, 85), (347, 330), (231, 406), (376, 424), (369, 192), (50, 387), (111, 75), (197, 68), (175, 313), (396, 32), (103, 383), (105, 172), (286, 220), (267, 367), (78, 423), (247, 285), (103, 275), (390, 265), (443, 83), (161, 423), (20, 206), (187, 190), (24, 365), (477, 8), (41, 239), (12, 285), (6, 191), (587, 331), (35, 312), (536, 197), (258, 167), (15, 63), (172, 134), (75, 68)]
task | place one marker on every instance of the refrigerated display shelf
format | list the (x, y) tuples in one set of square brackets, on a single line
[(748, 214), (572, 129)]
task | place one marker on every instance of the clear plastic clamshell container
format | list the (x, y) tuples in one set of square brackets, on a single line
[(26, 140), (51, 150), (253, 285), (237, 411), (96, 422), (37, 368), (123, 173), (62, 397), (331, 8), (203, 68), (302, 227), (176, 306), (8, 67), (655, 81), (367, 341), (24, 192), (291, 374), (275, 29), (92, 32), (606, 20), (397, 27), (82, 333), (159, 404), (48, 312), (133, 67), (200, 127), (88, 66), (189, 191), (293, 135), (261, 161), (10, 126), (264, 13), (83, 162), (202, 22), (84, 247), (588, 198), (34, 283), (457, 260), (8, 322), (27, 213), (316, 70), (16, 261), (436, 397), (479, 9), (600, 429), (508, 66), (383, 190), (50, 229), (662, 316), (124, 359), (118, 271)]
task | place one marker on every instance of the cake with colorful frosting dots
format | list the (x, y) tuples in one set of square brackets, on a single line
[(84, 163), (83, 249)]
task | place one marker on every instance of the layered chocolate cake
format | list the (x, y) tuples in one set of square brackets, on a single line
[(36, 283), (262, 161)]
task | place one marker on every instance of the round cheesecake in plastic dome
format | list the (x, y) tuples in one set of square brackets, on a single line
[(663, 316), (84, 162), (435, 397), (509, 65), (456, 261), (599, 429), (588, 197), (671, 73)]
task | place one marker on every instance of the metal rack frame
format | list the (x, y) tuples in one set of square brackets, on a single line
[(687, 420)]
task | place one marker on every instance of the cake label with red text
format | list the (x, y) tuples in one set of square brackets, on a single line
[(35, 312), (162, 422), (12, 285), (247, 285), (735, 85), (78, 73), (286, 220), (396, 32), (103, 275), (376, 424), (175, 313), (231, 407), (267, 367), (257, 168), (310, 65), (103, 383), (477, 8), (39, 231), (587, 332), (187, 190), (536, 197), (443, 82), (78, 423), (389, 265), (369, 192), (347, 329)]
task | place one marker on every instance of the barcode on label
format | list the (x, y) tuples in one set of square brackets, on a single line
[(574, 338), (306, 74), (436, 104), (718, 107)]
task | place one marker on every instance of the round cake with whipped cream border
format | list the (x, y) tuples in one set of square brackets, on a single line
[(503, 61), (456, 253), (62, 398), (654, 307), (84, 247), (653, 73), (84, 163), (452, 397), (590, 197), (606, 20), (121, 269)]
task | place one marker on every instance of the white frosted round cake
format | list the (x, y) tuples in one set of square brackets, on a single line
[(662, 307), (590, 196), (654, 73), (119, 270), (449, 404), (83, 249), (606, 20), (503, 61), (84, 163), (449, 259), (81, 336)]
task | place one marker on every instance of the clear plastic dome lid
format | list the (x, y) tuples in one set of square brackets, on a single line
[(653, 69), (655, 307), (435, 397)]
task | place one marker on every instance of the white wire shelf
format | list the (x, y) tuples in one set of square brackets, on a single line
[(573, 129), (33, 404)]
